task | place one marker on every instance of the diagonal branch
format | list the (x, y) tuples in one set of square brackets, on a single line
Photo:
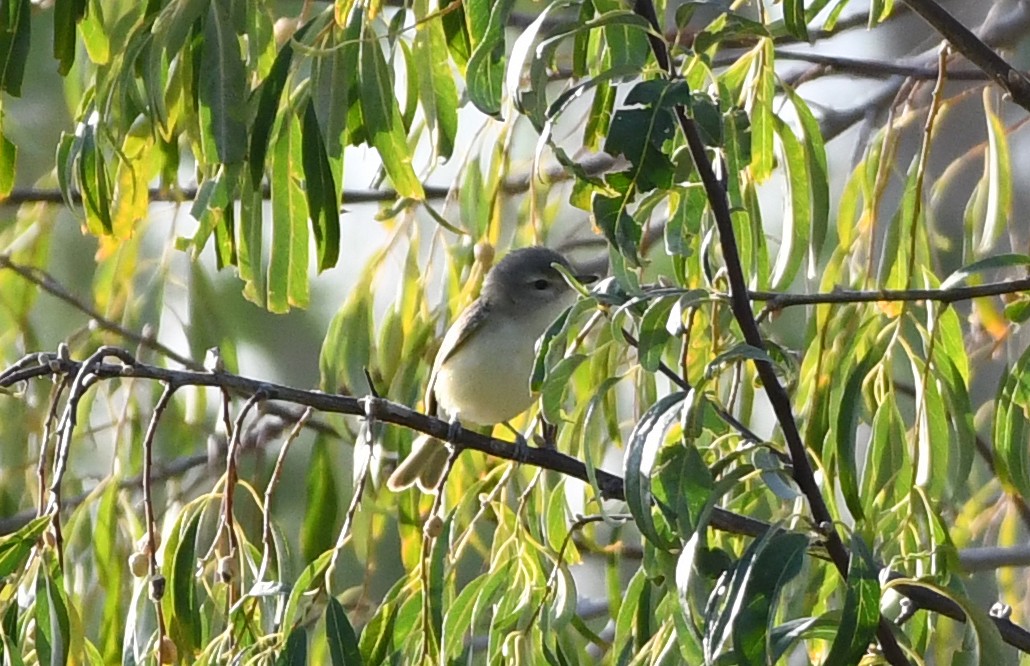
[(972, 47), (740, 304)]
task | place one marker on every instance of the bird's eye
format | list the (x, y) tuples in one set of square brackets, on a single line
[(541, 284)]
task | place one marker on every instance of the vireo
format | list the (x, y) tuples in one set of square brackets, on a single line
[(481, 373)]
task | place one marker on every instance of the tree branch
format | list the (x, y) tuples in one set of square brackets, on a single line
[(740, 303), (46, 364), (975, 50)]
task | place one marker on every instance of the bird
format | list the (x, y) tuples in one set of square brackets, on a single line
[(482, 371)]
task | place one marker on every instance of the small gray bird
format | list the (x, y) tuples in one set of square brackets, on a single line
[(481, 373)]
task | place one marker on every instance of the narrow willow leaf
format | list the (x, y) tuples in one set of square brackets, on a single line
[(437, 91), (818, 174), (15, 548), (794, 19), (383, 120), (555, 386), (295, 652), (271, 90), (334, 84), (52, 635), (288, 260), (343, 642), (249, 243), (182, 604), (797, 221), (847, 412), (94, 181), (642, 447), (484, 74), (764, 569), (222, 85), (15, 32), (1012, 427), (321, 192), (998, 172), (987, 264), (323, 503), (67, 13), (762, 98), (861, 613)]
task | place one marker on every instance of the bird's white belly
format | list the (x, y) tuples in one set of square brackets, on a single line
[(486, 381)]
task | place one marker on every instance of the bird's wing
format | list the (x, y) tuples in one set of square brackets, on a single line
[(470, 319)]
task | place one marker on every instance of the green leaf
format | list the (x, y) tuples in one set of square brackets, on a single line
[(998, 172), (52, 625), (383, 119), (222, 85), (484, 74), (794, 19), (847, 411), (747, 597), (295, 652), (642, 448), (15, 548), (182, 604), (67, 13), (323, 503), (15, 35), (437, 91), (984, 265), (343, 642), (619, 227), (321, 192), (334, 83), (797, 222), (818, 173), (269, 94), (1012, 427), (288, 260), (861, 612), (94, 180)]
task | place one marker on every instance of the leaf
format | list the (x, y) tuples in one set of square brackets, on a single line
[(288, 260), (343, 642), (15, 32), (383, 119), (322, 511), (1012, 427), (794, 19), (321, 191), (52, 624), (484, 74), (182, 605), (998, 174), (642, 448), (15, 548), (861, 613), (222, 85), (818, 173), (983, 265), (797, 221), (67, 13), (269, 93), (295, 652), (437, 91)]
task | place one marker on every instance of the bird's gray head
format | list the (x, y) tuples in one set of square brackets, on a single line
[(527, 278)]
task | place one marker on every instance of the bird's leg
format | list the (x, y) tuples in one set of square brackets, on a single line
[(548, 437), (521, 446), (453, 429)]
